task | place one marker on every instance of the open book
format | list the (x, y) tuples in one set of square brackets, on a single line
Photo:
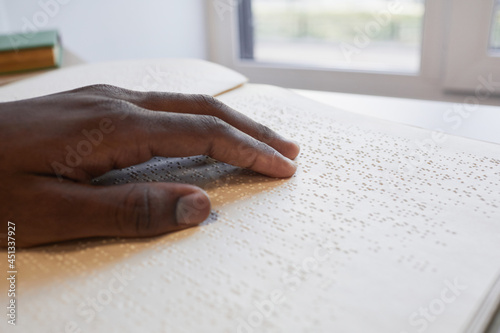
[(384, 228)]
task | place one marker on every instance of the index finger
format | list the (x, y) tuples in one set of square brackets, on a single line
[(147, 133)]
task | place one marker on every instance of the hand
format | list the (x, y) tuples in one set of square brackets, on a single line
[(51, 147)]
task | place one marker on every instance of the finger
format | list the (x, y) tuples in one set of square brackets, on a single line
[(208, 105), (149, 134), (72, 211), (202, 105), (135, 135)]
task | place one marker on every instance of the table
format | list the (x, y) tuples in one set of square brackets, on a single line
[(479, 122)]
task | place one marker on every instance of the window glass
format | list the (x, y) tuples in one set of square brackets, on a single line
[(376, 35), (495, 33)]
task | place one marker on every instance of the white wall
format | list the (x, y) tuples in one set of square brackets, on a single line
[(3, 17), (98, 30)]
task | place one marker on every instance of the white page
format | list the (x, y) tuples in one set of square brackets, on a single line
[(190, 76)]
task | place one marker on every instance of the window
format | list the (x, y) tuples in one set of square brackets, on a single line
[(352, 34), (472, 58), (495, 29), (405, 48)]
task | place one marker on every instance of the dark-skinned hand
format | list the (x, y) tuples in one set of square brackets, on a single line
[(51, 147)]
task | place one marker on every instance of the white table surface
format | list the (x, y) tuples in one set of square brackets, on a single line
[(480, 123)]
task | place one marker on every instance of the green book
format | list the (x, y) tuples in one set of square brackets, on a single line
[(30, 51)]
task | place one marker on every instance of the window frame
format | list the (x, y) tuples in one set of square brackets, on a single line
[(428, 84), (465, 72)]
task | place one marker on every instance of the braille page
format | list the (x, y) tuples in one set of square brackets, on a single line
[(174, 75), (384, 228)]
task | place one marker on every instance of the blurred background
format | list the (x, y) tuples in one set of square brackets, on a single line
[(406, 48), (115, 29), (311, 32)]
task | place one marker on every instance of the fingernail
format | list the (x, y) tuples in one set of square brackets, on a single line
[(192, 209)]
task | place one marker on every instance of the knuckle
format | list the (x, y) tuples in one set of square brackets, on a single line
[(250, 155), (136, 218), (209, 103), (150, 99), (105, 88), (213, 131), (116, 107), (101, 88), (265, 133), (213, 125)]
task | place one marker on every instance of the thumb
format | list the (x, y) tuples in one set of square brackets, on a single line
[(150, 209), (71, 211)]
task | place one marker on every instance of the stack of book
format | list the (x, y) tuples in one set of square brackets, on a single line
[(30, 51)]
